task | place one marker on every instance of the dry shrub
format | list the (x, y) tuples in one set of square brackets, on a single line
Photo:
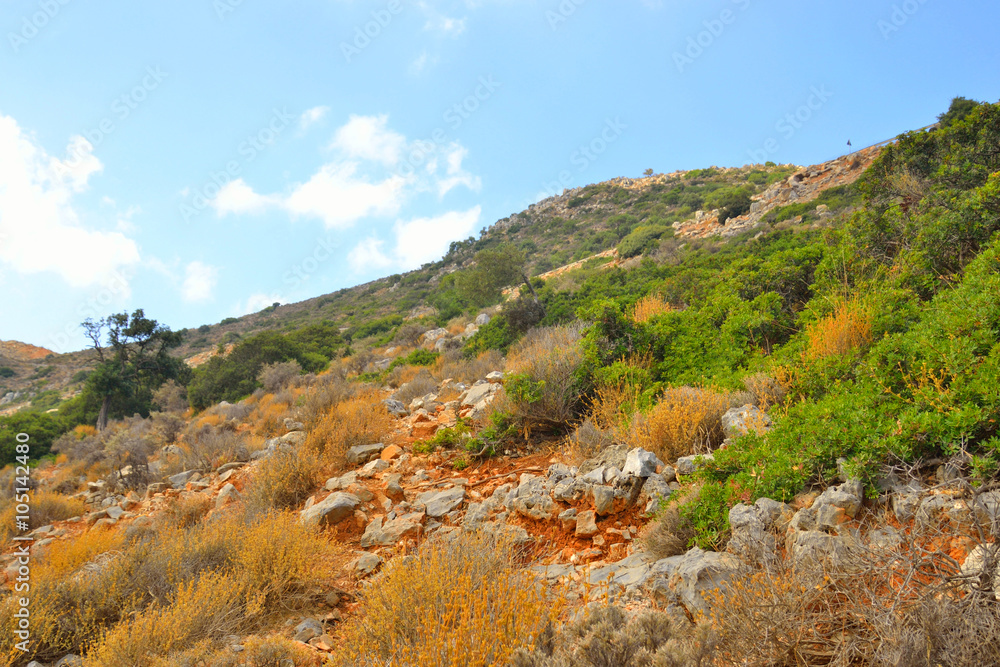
[(649, 307), (543, 387), (283, 481), (612, 637), (612, 406), (452, 364), (847, 328), (468, 587), (46, 507), (187, 510), (329, 389), (400, 375), (273, 651), (127, 602), (668, 536), (170, 397), (587, 441), (357, 362), (686, 420), (421, 385), (208, 448), (408, 335), (268, 416), (874, 605), (275, 377), (765, 391), (360, 420)]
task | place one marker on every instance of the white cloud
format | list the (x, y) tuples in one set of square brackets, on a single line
[(312, 116), (256, 303), (423, 240), (40, 230), (368, 255), (366, 138), (239, 198), (339, 197), (445, 24), (199, 281), (417, 241), (372, 174)]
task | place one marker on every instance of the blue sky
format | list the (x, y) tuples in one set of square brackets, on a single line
[(204, 158)]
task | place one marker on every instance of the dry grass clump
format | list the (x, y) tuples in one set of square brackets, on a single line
[(329, 389), (543, 388), (46, 507), (421, 385), (649, 307), (269, 413), (400, 375), (273, 651), (452, 364), (765, 391), (459, 601), (283, 481), (127, 602), (612, 406), (612, 637), (847, 328), (277, 376), (208, 448), (360, 420), (588, 440), (668, 536), (686, 421), (187, 510), (874, 605)]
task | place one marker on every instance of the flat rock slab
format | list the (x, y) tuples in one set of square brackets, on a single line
[(331, 510)]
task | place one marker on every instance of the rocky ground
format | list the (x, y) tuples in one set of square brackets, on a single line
[(579, 524)]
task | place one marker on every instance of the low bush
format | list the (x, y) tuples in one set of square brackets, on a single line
[(46, 507), (282, 481), (418, 387), (469, 587), (669, 535), (360, 420), (275, 377), (125, 602), (685, 421), (846, 329), (613, 637), (544, 386)]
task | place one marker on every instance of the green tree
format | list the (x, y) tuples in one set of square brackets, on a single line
[(959, 109), (43, 429), (133, 361), (495, 269)]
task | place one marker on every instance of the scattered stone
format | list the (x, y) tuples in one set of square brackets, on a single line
[(641, 463), (363, 453), (687, 465), (366, 564), (114, 512), (586, 524), (180, 480), (737, 422), (331, 510), (227, 495), (604, 499), (395, 408), (569, 519), (439, 503), (391, 452), (389, 533), (308, 629), (496, 377)]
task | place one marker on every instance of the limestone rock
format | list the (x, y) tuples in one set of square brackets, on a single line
[(363, 453), (331, 510)]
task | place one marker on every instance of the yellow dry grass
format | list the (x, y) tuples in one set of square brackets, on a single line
[(847, 328), (456, 603), (649, 307), (686, 421), (359, 420)]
